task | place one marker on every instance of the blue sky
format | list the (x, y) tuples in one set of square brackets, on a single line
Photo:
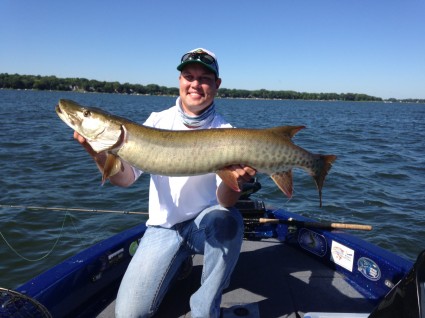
[(360, 46)]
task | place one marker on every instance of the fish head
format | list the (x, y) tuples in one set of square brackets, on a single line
[(101, 130)]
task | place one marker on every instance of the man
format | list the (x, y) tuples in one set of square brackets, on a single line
[(187, 215)]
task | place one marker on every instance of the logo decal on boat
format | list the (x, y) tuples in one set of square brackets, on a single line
[(342, 255), (133, 247), (312, 242), (369, 268)]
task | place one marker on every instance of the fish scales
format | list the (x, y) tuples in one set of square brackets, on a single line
[(204, 152), (195, 152)]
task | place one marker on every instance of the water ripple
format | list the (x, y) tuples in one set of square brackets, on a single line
[(377, 179)]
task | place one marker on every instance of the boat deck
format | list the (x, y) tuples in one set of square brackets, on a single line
[(271, 279)]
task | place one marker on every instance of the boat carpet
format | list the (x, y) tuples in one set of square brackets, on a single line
[(271, 279)]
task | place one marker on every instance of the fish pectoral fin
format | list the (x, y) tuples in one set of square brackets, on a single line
[(112, 166), (229, 179), (284, 181)]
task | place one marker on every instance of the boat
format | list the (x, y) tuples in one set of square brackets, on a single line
[(288, 267)]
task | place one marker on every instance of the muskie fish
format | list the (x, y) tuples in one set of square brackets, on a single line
[(195, 152)]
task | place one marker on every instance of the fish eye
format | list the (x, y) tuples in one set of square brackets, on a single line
[(86, 113)]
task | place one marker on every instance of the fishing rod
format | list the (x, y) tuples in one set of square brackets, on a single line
[(31, 207), (317, 225)]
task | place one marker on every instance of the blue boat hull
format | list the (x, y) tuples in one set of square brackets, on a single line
[(86, 283), (372, 270)]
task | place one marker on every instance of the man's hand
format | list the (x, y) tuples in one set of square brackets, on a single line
[(85, 144), (227, 196), (123, 178), (243, 173)]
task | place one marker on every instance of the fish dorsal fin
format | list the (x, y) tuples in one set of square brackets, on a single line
[(287, 131), (284, 181)]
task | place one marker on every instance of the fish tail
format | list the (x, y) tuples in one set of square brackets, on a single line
[(324, 164)]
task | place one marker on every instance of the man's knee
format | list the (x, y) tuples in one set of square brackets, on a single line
[(227, 224)]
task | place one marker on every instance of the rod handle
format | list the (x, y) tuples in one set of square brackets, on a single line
[(320, 225)]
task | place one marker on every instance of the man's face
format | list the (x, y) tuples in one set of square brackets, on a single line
[(198, 86)]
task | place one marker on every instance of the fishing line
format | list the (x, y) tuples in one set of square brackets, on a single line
[(67, 210), (30, 207), (75, 228), (44, 256)]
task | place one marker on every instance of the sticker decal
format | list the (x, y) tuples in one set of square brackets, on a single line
[(312, 242), (133, 247), (369, 269), (116, 256), (342, 255)]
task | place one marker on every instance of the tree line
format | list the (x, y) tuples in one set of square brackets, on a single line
[(37, 82)]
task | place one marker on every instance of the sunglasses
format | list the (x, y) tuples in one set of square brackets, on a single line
[(203, 57)]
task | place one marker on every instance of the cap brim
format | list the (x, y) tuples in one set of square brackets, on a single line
[(180, 67)]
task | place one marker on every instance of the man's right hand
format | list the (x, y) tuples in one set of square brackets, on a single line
[(85, 145), (123, 179)]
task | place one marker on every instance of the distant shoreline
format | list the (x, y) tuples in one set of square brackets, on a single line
[(83, 85), (385, 101)]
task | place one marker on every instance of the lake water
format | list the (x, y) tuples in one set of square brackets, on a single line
[(378, 178)]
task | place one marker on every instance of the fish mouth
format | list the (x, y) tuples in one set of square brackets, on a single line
[(66, 117), (58, 110)]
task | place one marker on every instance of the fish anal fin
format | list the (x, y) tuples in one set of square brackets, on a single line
[(112, 166), (284, 181), (287, 131), (229, 179)]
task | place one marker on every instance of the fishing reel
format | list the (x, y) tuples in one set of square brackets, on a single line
[(250, 209)]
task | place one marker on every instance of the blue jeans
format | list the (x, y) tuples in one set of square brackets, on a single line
[(216, 233)]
